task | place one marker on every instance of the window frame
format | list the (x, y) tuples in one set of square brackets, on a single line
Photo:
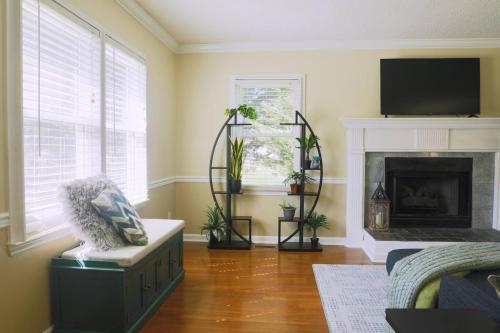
[(13, 105), (266, 189)]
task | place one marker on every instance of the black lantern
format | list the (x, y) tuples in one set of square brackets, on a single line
[(379, 206)]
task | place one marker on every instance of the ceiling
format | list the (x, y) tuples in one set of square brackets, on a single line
[(323, 21)]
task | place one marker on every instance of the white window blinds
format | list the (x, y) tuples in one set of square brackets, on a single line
[(61, 111), (126, 120), (270, 147), (73, 129)]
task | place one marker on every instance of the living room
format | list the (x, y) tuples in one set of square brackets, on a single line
[(337, 97)]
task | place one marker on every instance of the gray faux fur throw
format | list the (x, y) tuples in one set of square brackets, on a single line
[(87, 225)]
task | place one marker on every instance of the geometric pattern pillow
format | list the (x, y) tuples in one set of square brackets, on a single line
[(86, 224), (112, 205)]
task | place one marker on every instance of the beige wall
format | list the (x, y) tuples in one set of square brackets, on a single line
[(338, 84), (24, 278)]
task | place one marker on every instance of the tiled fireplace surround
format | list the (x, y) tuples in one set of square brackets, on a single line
[(370, 140)]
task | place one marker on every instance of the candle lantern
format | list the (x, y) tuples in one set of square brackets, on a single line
[(379, 206)]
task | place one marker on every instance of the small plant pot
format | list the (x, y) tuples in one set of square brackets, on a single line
[(235, 186), (295, 188), (213, 239), (308, 164), (289, 213), (314, 242)]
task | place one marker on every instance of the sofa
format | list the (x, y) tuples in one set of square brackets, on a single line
[(471, 291)]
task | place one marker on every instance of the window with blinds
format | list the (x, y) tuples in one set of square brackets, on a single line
[(61, 112), (126, 121), (270, 147), (63, 117)]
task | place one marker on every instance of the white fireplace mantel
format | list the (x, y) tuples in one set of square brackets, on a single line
[(410, 135)]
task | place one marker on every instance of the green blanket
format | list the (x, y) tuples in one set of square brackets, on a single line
[(412, 273)]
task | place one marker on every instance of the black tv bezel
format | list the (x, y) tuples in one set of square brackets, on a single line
[(478, 59)]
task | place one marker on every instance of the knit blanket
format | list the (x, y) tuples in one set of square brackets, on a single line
[(410, 274)]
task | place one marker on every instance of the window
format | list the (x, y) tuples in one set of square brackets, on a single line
[(270, 147), (126, 121), (69, 132)]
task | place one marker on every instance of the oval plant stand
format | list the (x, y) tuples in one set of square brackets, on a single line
[(239, 242), (287, 244)]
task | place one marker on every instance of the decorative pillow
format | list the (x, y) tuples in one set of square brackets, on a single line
[(86, 223), (112, 205), (495, 282)]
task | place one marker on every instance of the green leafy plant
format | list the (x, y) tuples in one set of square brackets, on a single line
[(245, 110), (316, 221), (286, 205), (238, 148), (295, 177), (215, 224), (308, 143)]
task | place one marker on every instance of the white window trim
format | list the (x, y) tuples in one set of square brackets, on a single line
[(268, 189), (18, 240)]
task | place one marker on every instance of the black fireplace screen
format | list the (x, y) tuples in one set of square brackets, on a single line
[(429, 192)]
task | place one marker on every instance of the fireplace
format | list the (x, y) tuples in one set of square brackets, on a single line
[(429, 191)]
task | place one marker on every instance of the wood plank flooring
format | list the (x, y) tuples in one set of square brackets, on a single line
[(261, 290)]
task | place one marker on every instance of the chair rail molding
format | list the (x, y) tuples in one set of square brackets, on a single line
[(4, 220), (411, 135)]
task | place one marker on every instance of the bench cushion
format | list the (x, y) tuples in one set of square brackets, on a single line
[(158, 231)]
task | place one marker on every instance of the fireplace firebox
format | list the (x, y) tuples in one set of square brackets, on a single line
[(429, 191)]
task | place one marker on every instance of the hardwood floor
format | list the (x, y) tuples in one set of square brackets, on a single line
[(261, 290)]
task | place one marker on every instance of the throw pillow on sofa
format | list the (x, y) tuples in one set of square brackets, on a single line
[(112, 205), (86, 223)]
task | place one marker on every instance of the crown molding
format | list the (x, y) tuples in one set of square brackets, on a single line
[(141, 15), (475, 43)]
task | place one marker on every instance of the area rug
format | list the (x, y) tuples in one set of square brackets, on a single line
[(354, 297)]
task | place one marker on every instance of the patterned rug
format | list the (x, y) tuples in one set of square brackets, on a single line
[(354, 297)]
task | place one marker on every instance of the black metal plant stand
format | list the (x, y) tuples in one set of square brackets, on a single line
[(286, 244), (239, 242)]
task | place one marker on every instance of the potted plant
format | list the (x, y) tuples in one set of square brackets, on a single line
[(237, 148), (245, 110), (308, 143), (295, 180), (288, 211), (313, 223), (215, 228)]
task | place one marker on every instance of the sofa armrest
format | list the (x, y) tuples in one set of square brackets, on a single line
[(459, 293), (395, 255)]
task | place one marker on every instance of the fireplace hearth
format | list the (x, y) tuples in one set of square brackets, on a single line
[(429, 191)]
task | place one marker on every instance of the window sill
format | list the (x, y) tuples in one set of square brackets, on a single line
[(140, 204), (51, 234), (271, 190), (39, 239)]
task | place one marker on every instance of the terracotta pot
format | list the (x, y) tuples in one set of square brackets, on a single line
[(295, 188)]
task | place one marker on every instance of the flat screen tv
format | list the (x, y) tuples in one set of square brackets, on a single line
[(446, 86)]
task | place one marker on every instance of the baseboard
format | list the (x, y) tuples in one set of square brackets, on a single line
[(269, 240)]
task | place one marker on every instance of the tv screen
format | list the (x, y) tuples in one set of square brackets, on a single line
[(429, 86)]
